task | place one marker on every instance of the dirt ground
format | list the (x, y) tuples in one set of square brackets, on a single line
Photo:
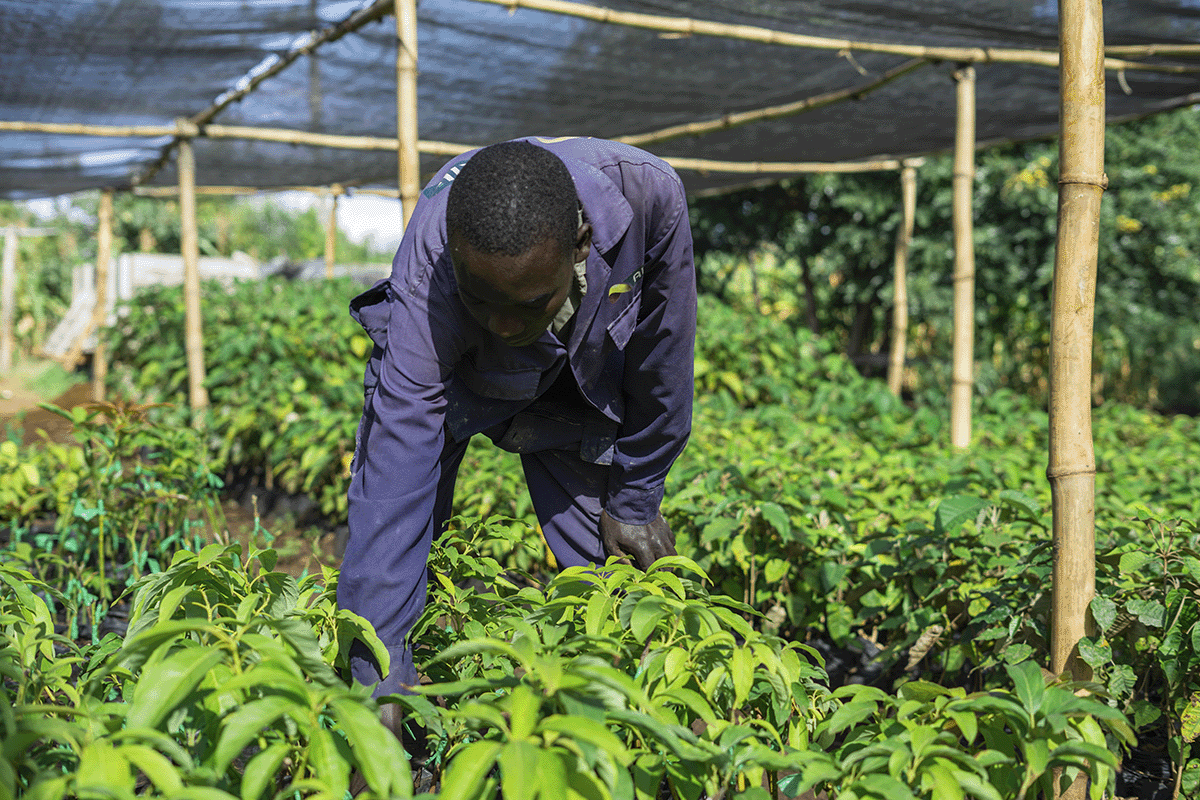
[(301, 547)]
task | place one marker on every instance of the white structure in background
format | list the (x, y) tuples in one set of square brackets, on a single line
[(133, 271), (127, 274)]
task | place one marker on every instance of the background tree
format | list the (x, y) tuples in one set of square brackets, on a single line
[(816, 251)]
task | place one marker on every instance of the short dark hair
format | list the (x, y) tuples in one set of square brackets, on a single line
[(512, 196)]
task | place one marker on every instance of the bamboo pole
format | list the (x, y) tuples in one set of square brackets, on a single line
[(407, 156), (8, 300), (964, 262), (104, 242), (773, 112), (908, 192), (1072, 462), (331, 231), (686, 26), (190, 246)]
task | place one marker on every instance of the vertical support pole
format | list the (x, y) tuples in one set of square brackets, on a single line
[(406, 105), (331, 230), (190, 247), (1072, 462), (964, 262), (8, 300), (908, 203), (104, 242)]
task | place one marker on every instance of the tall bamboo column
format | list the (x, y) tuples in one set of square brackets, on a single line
[(335, 191), (406, 105), (190, 247), (8, 300), (1072, 463), (908, 193), (104, 242), (964, 262)]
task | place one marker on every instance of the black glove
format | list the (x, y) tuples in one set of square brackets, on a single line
[(645, 544)]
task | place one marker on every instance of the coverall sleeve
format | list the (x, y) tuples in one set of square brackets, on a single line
[(394, 476), (658, 365)]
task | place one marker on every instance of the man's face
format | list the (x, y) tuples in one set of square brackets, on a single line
[(517, 297)]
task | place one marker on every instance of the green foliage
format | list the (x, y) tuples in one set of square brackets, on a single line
[(284, 378), (817, 252), (1147, 647), (929, 741), (223, 687), (113, 499)]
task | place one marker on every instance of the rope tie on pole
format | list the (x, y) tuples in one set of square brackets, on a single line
[(1084, 180), (1066, 473), (848, 54)]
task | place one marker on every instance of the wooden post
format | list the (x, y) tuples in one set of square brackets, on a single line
[(8, 300), (908, 192), (190, 246), (1072, 462), (331, 230), (406, 106), (104, 242), (964, 262)]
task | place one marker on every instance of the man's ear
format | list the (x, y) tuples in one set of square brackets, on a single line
[(583, 242)]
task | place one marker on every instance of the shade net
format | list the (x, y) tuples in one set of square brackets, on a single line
[(487, 74)]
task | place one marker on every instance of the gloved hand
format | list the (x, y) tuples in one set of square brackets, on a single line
[(645, 544)]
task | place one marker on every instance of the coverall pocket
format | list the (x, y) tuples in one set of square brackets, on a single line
[(621, 329)]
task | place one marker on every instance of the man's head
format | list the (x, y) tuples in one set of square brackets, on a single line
[(514, 236)]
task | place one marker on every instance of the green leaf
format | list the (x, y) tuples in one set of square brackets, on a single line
[(164, 685), (262, 769), (101, 770), (157, 767), (1190, 719), (1022, 503), (519, 763), (848, 715), (466, 774), (326, 762), (590, 731), (1135, 560), (1096, 652), (777, 518), (378, 754), (1029, 684), (954, 511), (1104, 611), (741, 670), (524, 708), (243, 726), (1149, 612), (646, 615)]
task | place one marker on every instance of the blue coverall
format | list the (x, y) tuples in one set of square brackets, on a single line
[(598, 420)]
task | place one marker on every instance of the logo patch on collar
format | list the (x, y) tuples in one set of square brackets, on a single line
[(446, 180)]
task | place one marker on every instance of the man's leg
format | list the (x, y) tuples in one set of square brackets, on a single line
[(566, 493), (404, 608)]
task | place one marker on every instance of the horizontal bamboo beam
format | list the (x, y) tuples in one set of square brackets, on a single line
[(773, 112), (347, 189), (212, 131), (797, 167), (686, 26), (431, 147)]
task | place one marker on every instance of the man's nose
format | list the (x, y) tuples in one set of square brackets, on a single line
[(505, 325)]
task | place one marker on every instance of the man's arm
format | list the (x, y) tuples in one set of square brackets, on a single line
[(658, 369)]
